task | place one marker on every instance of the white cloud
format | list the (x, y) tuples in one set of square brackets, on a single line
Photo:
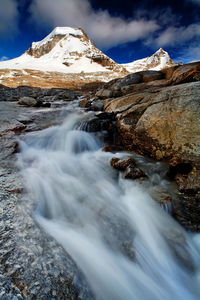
[(103, 28), (3, 58), (175, 35), (8, 18)]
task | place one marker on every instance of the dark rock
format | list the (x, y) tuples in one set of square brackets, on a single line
[(134, 173), (46, 104), (92, 125), (122, 164), (106, 115), (179, 168), (148, 76), (113, 161), (111, 148), (97, 106)]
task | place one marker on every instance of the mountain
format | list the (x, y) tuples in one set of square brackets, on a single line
[(159, 60), (66, 50), (67, 57)]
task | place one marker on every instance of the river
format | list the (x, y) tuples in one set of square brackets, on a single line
[(127, 246)]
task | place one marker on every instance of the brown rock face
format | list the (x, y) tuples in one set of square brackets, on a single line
[(44, 49)]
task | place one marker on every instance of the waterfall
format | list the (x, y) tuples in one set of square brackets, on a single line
[(126, 245)]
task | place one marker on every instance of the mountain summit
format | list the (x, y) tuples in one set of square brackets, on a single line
[(159, 60), (66, 50)]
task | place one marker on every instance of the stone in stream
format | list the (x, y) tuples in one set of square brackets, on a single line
[(28, 101), (134, 173), (122, 164), (97, 105), (85, 103), (128, 165)]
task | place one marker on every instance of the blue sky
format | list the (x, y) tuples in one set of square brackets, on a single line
[(125, 30)]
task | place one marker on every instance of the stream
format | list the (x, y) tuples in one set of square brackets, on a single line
[(125, 243)]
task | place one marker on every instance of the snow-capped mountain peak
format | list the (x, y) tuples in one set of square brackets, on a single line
[(66, 50), (159, 60), (57, 34)]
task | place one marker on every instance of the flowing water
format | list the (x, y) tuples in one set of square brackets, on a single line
[(126, 245)]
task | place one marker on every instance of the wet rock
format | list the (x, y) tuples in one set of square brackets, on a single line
[(113, 161), (97, 105), (28, 101), (92, 125), (112, 148), (122, 164), (134, 173), (106, 115), (46, 104), (85, 103), (160, 194)]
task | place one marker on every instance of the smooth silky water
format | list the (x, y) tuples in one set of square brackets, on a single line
[(126, 245)]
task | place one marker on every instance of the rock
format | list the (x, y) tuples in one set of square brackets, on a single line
[(97, 105), (129, 80), (85, 103), (163, 125), (105, 115), (186, 73), (113, 161), (92, 125), (134, 173), (163, 122), (46, 104), (148, 76), (111, 148), (122, 164), (28, 101), (160, 194), (104, 93)]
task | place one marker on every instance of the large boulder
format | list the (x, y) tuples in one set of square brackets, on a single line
[(164, 124), (28, 101)]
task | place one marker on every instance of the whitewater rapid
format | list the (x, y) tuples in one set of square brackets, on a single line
[(126, 245)]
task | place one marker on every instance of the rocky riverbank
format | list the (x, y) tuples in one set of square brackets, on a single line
[(157, 114)]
